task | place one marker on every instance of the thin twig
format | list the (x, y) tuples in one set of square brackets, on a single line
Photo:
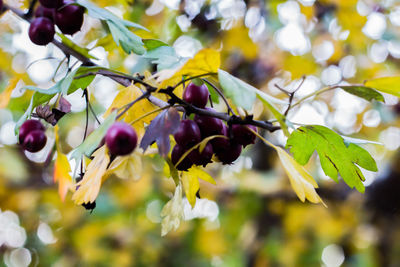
[(291, 95), (128, 106), (221, 95)]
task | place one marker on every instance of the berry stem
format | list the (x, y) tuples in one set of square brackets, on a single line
[(221, 95)]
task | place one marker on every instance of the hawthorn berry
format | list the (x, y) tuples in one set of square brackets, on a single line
[(51, 3), (202, 158), (196, 95), (230, 153), (188, 134), (242, 135), (29, 126), (46, 12), (209, 125), (41, 31), (1, 5), (220, 143), (121, 139), (177, 153), (69, 17), (34, 141)]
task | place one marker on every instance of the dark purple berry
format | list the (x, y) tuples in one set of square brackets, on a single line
[(177, 153), (69, 18), (209, 125), (121, 139), (202, 158), (34, 141), (41, 31), (51, 3), (29, 126), (220, 143), (188, 134), (42, 11), (196, 95), (242, 135), (230, 153), (1, 5)]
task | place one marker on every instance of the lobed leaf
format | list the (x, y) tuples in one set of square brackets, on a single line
[(335, 157)]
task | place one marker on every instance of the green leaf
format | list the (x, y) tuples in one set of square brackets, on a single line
[(94, 139), (335, 157), (129, 41), (165, 57), (244, 95), (390, 85), (151, 44), (367, 93), (84, 51)]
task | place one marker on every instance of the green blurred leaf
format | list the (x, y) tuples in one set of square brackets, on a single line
[(129, 41), (335, 157), (84, 51), (151, 44), (364, 92), (244, 95)]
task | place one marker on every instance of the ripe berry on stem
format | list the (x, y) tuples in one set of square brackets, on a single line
[(41, 31), (188, 133), (121, 139), (242, 135), (196, 95), (29, 126), (69, 18), (209, 125), (51, 3), (34, 141), (230, 153), (42, 11), (202, 158), (220, 143), (177, 153)]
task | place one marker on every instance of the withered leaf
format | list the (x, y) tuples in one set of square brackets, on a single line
[(165, 124)]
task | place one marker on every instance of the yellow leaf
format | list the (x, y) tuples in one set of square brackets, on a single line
[(124, 97), (301, 181), (127, 167), (89, 186), (6, 94), (172, 212), (390, 85), (191, 185), (61, 170), (205, 61), (61, 175), (190, 182)]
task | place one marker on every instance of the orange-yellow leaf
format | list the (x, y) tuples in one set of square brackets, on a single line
[(6, 94), (61, 170), (61, 175), (301, 181)]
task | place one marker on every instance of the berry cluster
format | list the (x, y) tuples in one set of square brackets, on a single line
[(32, 136), (64, 13), (121, 139), (191, 132)]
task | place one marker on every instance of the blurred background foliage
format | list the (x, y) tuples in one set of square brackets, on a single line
[(259, 220)]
